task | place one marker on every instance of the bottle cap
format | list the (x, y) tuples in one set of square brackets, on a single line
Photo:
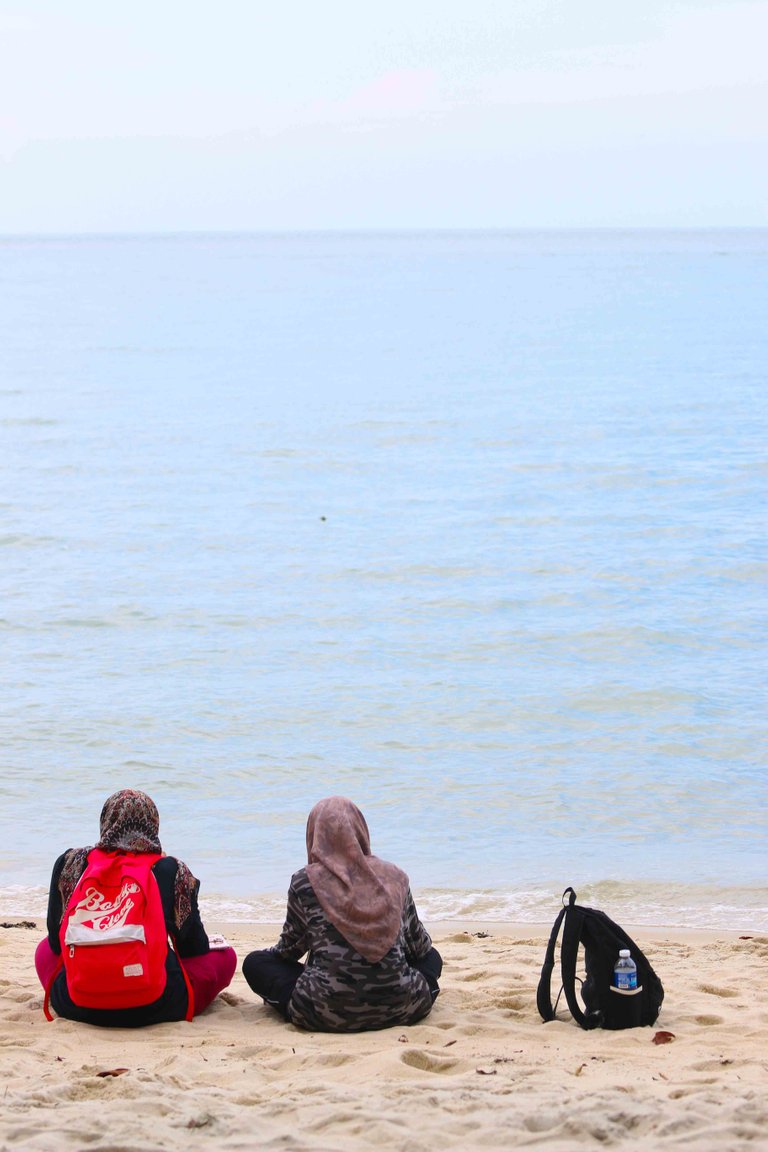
[(624, 952)]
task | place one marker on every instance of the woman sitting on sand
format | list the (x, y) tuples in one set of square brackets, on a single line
[(370, 960), (130, 825)]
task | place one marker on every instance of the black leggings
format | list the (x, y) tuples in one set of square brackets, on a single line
[(274, 979)]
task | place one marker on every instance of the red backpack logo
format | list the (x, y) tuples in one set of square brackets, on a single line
[(114, 941)]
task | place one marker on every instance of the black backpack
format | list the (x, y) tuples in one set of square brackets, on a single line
[(606, 1006)]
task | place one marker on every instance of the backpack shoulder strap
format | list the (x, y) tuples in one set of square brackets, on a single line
[(568, 956), (49, 987), (543, 992)]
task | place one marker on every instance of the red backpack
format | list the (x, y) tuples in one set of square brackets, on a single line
[(114, 940)]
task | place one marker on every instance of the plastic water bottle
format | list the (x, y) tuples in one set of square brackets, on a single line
[(625, 972)]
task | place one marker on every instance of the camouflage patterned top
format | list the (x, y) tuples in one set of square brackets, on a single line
[(340, 991)]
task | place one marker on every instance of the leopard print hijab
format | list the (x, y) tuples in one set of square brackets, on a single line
[(129, 822)]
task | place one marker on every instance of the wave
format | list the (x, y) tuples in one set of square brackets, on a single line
[(702, 906)]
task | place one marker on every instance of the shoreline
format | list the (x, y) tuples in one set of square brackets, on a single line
[(519, 930), (514, 930), (482, 1071), (640, 909)]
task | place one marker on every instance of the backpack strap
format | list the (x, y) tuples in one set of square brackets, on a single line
[(569, 952), (543, 992), (190, 990), (47, 999)]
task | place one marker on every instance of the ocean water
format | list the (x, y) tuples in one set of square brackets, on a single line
[(468, 527)]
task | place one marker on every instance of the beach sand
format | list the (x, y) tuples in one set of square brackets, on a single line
[(482, 1071)]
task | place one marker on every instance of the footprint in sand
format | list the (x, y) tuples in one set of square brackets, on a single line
[(542, 1121), (332, 1060), (513, 1002), (720, 1062), (232, 999), (472, 1029), (20, 995), (712, 990), (696, 1086), (707, 1021), (251, 1052), (425, 1063), (17, 1041)]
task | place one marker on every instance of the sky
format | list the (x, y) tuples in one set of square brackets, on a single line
[(245, 116)]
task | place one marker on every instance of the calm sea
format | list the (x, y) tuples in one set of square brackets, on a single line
[(468, 527)]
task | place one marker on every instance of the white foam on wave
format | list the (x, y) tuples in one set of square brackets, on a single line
[(23, 900), (652, 905)]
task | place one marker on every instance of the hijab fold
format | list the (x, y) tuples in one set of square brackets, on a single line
[(362, 896), (129, 822)]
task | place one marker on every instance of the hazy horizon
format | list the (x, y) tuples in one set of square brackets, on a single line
[(506, 115), (532, 230)]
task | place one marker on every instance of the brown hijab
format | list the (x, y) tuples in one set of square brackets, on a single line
[(129, 822), (362, 896)]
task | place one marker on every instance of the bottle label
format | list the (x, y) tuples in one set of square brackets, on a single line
[(625, 981)]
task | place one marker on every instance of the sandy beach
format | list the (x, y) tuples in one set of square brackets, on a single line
[(482, 1071)]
